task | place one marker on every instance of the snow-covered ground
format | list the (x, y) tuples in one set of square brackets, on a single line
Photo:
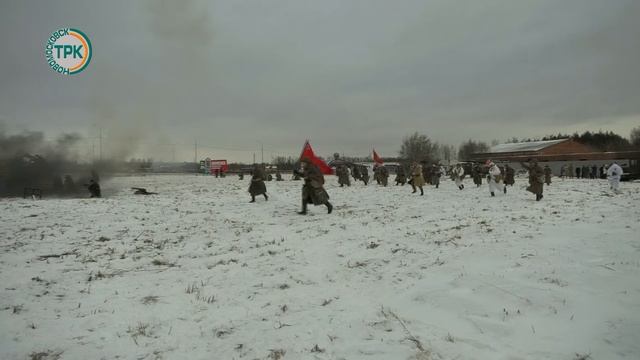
[(197, 272)]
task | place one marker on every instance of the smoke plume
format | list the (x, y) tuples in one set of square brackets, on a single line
[(28, 161)]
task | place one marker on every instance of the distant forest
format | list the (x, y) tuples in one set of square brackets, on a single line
[(601, 140)]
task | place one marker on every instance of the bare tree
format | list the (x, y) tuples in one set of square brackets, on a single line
[(471, 147), (448, 153), (635, 136), (418, 147)]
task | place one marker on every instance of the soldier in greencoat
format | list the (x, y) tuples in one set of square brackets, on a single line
[(401, 177), (510, 175), (476, 174), (343, 175), (257, 186), (376, 173), (313, 191), (383, 175), (364, 175), (536, 178), (435, 173), (547, 175)]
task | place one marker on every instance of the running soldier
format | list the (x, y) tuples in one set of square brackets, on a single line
[(436, 173), (313, 191), (614, 173), (343, 175), (458, 175), (364, 175), (417, 180), (476, 174), (547, 175), (495, 179), (257, 186), (536, 178), (401, 177), (383, 175), (509, 176), (94, 189)]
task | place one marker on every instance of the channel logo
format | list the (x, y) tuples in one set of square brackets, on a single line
[(68, 51)]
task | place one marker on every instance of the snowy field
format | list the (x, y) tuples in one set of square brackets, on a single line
[(197, 272)]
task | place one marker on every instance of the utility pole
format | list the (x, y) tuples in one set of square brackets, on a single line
[(100, 144), (195, 157), (262, 151), (254, 158)]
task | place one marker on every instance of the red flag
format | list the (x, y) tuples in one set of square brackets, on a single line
[(307, 152), (377, 159)]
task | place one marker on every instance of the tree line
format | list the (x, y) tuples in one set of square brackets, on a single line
[(420, 147)]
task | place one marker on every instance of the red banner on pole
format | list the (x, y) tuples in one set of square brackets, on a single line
[(307, 152), (377, 159)]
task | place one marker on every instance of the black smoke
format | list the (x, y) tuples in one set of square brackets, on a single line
[(29, 161)]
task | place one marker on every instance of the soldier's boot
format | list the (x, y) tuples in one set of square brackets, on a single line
[(329, 207), (462, 186), (493, 194), (304, 208), (421, 191), (505, 189), (253, 198), (414, 189), (266, 197)]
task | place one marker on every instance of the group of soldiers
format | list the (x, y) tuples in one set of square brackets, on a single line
[(583, 172), (67, 186), (498, 178), (359, 173), (313, 191)]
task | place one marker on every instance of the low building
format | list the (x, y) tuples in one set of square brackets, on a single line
[(559, 153)]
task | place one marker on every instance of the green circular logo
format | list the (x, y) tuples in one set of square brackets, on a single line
[(68, 51)]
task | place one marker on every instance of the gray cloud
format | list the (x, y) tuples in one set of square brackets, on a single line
[(348, 75)]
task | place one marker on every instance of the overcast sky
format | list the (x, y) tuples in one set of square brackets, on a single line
[(348, 75)]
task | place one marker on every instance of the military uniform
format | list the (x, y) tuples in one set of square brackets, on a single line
[(458, 175), (436, 173), (383, 175), (401, 177), (343, 175), (477, 176), (94, 189), (257, 186), (364, 175), (313, 191), (376, 174), (417, 180), (547, 175), (536, 179), (509, 176), (495, 179), (355, 172)]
